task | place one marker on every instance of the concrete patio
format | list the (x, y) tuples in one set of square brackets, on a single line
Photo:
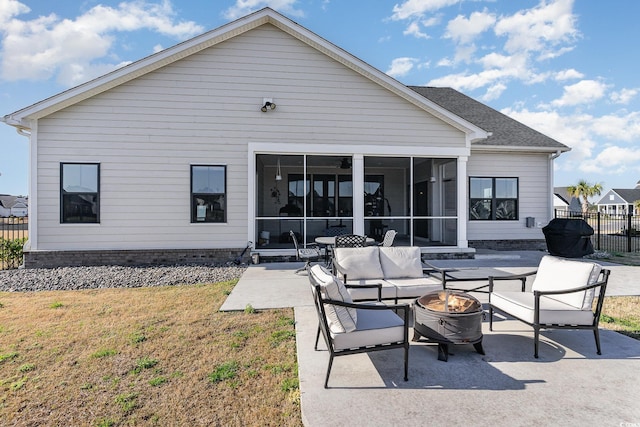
[(568, 385)]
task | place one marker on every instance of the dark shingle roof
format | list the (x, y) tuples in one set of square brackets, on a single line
[(505, 130), (630, 195)]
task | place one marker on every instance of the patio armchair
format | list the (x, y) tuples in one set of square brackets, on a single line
[(561, 297), (389, 237), (350, 328), (307, 255)]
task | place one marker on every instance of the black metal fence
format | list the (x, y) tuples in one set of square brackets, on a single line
[(13, 235), (612, 233)]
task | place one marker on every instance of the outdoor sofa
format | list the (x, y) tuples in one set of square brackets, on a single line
[(384, 273)]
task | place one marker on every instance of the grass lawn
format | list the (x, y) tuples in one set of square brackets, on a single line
[(147, 356)]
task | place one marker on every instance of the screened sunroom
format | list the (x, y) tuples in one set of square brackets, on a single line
[(326, 195)]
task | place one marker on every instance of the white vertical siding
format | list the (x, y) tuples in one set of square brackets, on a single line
[(205, 109), (534, 198)]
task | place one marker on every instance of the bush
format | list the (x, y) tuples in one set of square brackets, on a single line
[(11, 252)]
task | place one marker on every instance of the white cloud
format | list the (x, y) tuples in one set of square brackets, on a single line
[(11, 8), (599, 144), (244, 7), (413, 29), (48, 46), (540, 29), (411, 9), (463, 30), (401, 66), (569, 74), (494, 92), (623, 96), (583, 92)]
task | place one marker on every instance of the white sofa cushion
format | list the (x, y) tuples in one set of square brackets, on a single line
[(359, 263), (340, 319), (400, 261), (556, 274), (374, 327), (414, 287), (552, 311)]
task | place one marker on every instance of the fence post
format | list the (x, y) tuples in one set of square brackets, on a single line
[(599, 231), (629, 216)]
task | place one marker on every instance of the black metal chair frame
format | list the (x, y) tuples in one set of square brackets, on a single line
[(350, 241), (323, 327), (309, 254), (601, 283)]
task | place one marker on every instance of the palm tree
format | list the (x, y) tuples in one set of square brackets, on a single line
[(584, 190), (637, 205)]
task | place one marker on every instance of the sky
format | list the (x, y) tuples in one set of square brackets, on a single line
[(567, 68)]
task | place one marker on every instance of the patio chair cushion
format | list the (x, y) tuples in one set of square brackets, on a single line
[(341, 319), (400, 261), (410, 287), (361, 263), (374, 327), (555, 274), (552, 311)]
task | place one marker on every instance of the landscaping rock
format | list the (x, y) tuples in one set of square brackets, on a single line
[(74, 278)]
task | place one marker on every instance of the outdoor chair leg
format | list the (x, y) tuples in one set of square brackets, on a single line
[(304, 267), (317, 338), (406, 361), (326, 380), (536, 340), (597, 335), (490, 318)]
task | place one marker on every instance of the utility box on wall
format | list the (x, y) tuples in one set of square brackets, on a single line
[(531, 222)]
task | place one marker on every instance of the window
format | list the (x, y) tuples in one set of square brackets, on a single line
[(208, 193), (493, 198), (79, 193)]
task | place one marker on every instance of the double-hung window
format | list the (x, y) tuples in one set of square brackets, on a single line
[(208, 193), (79, 192), (493, 199)]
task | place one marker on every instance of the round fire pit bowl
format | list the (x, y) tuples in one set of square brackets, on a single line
[(448, 317)]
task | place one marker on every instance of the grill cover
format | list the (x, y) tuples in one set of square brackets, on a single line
[(568, 238)]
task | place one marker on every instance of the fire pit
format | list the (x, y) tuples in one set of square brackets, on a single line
[(448, 317)]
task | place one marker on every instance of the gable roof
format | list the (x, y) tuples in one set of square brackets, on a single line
[(629, 195), (23, 118), (504, 131)]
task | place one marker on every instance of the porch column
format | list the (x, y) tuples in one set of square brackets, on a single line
[(463, 208), (358, 192)]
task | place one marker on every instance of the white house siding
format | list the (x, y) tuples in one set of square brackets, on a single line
[(533, 173), (205, 109)]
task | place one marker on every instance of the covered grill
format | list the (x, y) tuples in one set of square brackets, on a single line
[(568, 237), (448, 317)]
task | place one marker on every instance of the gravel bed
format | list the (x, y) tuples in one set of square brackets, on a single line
[(74, 278)]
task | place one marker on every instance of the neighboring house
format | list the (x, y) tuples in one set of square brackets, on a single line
[(620, 201), (565, 202), (13, 206), (260, 127)]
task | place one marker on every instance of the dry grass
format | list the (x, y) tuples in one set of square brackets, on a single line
[(150, 356), (622, 314)]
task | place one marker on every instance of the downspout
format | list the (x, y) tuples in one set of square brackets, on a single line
[(552, 157)]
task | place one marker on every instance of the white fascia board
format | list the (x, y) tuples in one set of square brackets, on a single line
[(515, 148), (389, 151)]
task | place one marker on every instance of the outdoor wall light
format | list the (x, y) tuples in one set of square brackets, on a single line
[(268, 105)]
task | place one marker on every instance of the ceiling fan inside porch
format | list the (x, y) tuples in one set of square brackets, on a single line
[(345, 163)]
